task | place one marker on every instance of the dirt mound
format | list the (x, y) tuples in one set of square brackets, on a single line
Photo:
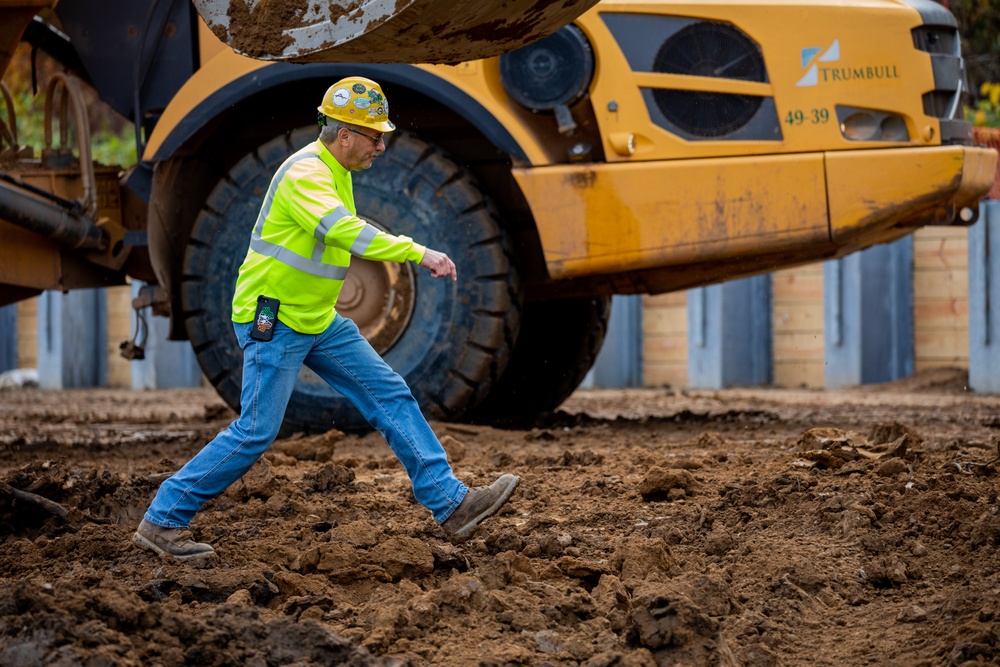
[(650, 528), (932, 380), (87, 494), (44, 624)]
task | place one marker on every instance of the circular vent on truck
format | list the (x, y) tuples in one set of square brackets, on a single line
[(716, 50), (551, 72)]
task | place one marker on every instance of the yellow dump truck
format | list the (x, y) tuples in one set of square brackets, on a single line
[(641, 148)]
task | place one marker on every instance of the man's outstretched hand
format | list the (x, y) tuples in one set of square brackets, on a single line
[(440, 264)]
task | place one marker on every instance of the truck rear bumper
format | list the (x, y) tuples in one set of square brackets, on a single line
[(614, 218), (909, 187)]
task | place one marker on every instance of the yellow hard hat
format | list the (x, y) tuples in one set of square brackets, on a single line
[(358, 101)]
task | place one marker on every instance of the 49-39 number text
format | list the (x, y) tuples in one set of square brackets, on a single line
[(813, 116)]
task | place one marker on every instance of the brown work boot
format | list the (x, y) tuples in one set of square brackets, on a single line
[(479, 503), (173, 542)]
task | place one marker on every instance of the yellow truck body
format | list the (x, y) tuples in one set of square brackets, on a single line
[(802, 193)]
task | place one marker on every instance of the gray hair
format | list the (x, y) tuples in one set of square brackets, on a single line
[(328, 133)]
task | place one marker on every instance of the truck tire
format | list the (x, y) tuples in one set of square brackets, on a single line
[(449, 340), (557, 345)]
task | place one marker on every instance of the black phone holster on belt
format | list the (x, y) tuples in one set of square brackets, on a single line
[(265, 319)]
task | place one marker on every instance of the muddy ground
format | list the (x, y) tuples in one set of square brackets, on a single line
[(651, 527)]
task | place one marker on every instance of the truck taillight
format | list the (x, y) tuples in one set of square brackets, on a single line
[(870, 125)]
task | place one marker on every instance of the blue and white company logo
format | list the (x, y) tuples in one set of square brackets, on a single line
[(831, 55), (815, 61)]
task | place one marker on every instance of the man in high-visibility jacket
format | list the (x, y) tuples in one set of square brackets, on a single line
[(283, 312)]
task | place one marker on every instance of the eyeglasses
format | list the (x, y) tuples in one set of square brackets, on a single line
[(375, 140)]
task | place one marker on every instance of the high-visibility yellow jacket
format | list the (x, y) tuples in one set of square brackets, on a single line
[(302, 244)]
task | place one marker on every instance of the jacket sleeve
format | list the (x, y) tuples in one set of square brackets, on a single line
[(319, 210)]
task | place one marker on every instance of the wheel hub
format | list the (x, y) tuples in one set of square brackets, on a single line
[(379, 297)]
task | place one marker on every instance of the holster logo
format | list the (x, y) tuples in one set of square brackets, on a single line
[(265, 320), (815, 57)]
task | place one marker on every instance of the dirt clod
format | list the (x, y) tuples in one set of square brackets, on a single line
[(661, 484)]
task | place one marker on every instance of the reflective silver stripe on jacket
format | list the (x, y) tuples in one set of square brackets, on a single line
[(286, 256), (313, 266), (269, 197), (363, 241), (328, 221)]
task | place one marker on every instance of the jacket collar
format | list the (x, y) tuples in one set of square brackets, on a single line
[(326, 156)]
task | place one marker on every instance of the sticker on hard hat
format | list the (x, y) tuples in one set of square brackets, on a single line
[(376, 111), (358, 88), (362, 103), (341, 97)]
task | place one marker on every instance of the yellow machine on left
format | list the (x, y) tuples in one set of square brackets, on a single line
[(66, 222)]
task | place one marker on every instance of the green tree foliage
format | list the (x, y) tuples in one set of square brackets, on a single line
[(112, 138), (986, 111), (979, 23)]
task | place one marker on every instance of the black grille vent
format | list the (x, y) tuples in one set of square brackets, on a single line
[(951, 87), (936, 39), (714, 50), (940, 104)]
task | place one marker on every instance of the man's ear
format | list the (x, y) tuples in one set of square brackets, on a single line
[(343, 136)]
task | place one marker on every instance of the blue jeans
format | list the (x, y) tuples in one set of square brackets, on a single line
[(343, 358)]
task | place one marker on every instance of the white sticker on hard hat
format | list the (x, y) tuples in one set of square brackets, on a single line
[(376, 111), (340, 97), (362, 103)]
